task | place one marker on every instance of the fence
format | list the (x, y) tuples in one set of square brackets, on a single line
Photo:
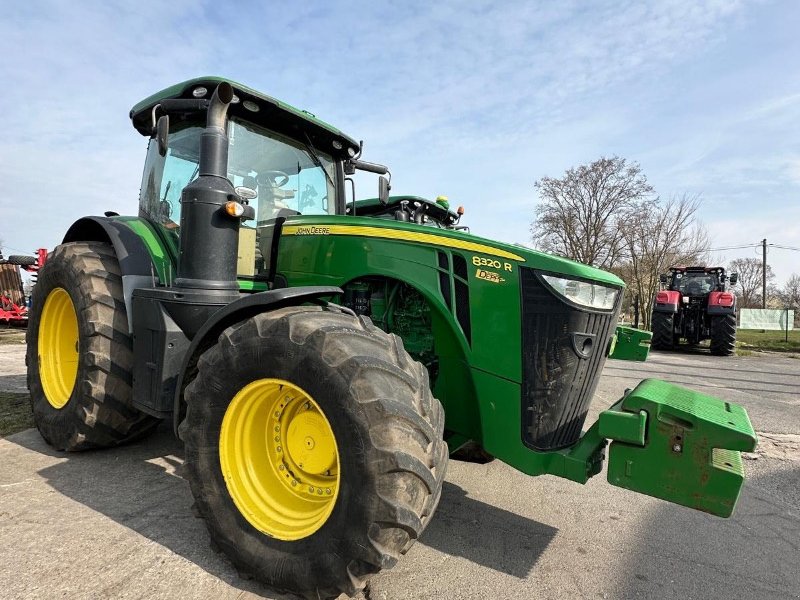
[(772, 319)]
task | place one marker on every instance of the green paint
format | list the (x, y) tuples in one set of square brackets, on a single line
[(630, 344), (162, 255), (542, 261), (691, 455), (623, 426), (248, 285)]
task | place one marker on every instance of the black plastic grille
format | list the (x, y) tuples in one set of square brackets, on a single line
[(460, 266), (563, 352), (462, 296), (444, 278)]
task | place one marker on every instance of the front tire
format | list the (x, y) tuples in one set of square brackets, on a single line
[(723, 335), (79, 354), (314, 449), (663, 338)]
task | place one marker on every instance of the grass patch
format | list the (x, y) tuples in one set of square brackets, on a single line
[(773, 341), (12, 336), (15, 413)]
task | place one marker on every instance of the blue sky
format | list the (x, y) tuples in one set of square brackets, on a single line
[(473, 100)]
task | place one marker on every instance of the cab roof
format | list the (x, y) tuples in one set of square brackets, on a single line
[(269, 112), (700, 269)]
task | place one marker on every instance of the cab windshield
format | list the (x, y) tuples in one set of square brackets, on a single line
[(694, 284), (287, 177)]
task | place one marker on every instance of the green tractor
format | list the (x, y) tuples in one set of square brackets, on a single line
[(298, 339)]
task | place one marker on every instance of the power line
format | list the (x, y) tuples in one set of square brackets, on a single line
[(732, 247), (784, 247)]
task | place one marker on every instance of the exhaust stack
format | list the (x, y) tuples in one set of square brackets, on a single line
[(209, 236)]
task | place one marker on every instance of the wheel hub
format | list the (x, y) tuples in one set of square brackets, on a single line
[(58, 344), (285, 483), (308, 445)]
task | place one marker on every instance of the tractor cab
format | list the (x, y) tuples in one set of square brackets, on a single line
[(697, 281), (282, 162)]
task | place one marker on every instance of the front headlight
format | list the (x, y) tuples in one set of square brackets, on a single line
[(583, 293)]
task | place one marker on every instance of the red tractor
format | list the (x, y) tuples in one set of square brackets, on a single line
[(695, 306)]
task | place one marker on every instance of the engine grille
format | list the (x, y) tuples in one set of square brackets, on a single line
[(560, 369)]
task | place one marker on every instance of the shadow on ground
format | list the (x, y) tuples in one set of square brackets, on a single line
[(139, 486), (485, 534)]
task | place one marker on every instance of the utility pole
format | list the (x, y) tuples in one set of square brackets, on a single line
[(764, 274)]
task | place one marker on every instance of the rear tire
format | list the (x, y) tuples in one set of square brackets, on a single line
[(723, 335), (663, 337), (79, 355), (375, 403), (21, 260)]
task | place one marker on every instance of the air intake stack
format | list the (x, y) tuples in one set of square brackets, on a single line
[(209, 235)]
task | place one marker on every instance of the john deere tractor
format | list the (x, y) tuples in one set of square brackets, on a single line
[(695, 306), (297, 339)]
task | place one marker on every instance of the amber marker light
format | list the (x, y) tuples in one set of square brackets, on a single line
[(234, 209)]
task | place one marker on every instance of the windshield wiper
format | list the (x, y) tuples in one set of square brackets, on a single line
[(317, 161)]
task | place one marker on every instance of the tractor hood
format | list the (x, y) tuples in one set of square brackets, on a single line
[(447, 238)]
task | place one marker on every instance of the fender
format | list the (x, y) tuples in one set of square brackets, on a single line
[(721, 303), (244, 308), (667, 301), (135, 263)]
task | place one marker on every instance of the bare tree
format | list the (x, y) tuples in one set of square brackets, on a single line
[(790, 293), (749, 288), (580, 214), (661, 235)]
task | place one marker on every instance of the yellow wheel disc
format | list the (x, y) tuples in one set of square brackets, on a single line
[(279, 458), (58, 347)]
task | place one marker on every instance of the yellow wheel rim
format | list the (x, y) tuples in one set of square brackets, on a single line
[(58, 347), (279, 458)]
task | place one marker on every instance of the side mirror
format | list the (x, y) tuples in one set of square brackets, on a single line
[(733, 278), (162, 134), (383, 189), (662, 279), (245, 193)]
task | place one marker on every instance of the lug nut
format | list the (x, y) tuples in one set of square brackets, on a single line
[(677, 448)]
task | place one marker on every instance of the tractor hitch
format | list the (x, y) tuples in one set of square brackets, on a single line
[(668, 442)]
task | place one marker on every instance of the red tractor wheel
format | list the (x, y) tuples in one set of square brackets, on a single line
[(662, 324)]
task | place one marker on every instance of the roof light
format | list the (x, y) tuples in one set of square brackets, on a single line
[(250, 105), (337, 144), (199, 92)]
